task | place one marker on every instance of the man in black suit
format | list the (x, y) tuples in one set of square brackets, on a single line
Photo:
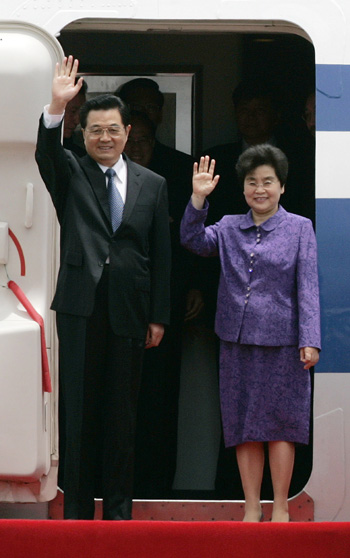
[(112, 295)]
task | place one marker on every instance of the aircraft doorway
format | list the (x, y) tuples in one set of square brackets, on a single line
[(196, 464)]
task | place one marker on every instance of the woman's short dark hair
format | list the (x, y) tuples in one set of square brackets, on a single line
[(263, 154), (104, 102)]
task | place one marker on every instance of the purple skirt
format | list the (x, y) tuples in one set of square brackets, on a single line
[(265, 394)]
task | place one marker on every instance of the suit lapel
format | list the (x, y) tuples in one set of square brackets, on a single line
[(134, 183), (98, 182)]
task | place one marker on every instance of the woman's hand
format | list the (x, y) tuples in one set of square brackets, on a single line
[(64, 87), (203, 181), (309, 355)]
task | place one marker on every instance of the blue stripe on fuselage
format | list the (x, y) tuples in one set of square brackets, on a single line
[(332, 98), (333, 239)]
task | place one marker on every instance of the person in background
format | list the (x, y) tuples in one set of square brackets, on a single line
[(158, 402), (143, 95), (267, 319), (257, 107), (309, 115), (112, 295), (308, 154), (141, 140)]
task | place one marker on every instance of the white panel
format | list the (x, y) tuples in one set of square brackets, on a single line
[(28, 57), (4, 243), (313, 16), (324, 21), (332, 164), (54, 15), (327, 482), (26, 65), (23, 429)]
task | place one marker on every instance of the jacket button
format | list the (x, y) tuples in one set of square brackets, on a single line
[(100, 264)]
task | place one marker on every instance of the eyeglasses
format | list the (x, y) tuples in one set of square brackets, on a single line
[(113, 131), (266, 184)]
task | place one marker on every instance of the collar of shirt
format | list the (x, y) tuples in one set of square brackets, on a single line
[(269, 225), (120, 168)]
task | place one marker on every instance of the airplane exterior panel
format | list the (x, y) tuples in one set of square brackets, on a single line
[(326, 23), (28, 55)]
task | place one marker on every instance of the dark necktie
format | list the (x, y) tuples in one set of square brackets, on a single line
[(116, 205)]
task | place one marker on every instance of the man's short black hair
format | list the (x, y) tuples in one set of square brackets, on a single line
[(104, 102), (263, 154), (140, 83)]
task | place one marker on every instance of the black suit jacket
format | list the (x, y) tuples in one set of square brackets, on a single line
[(139, 250)]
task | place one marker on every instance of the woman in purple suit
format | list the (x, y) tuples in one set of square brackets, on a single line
[(267, 319)]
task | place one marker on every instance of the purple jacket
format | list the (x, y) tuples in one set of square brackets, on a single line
[(268, 290)]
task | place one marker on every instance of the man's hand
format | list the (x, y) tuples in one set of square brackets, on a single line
[(203, 181), (64, 87), (154, 335)]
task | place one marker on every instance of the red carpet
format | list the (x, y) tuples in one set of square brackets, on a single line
[(153, 539)]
